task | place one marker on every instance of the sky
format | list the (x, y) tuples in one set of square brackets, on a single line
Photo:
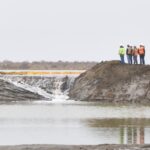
[(72, 30)]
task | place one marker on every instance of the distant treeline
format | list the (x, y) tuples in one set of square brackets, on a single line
[(46, 65)]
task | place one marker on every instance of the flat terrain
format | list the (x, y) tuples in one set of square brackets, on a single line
[(41, 72), (63, 147)]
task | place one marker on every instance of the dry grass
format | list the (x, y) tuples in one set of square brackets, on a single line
[(41, 72)]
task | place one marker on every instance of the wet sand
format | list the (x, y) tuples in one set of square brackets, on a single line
[(79, 147)]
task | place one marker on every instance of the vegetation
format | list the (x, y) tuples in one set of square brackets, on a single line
[(46, 65)]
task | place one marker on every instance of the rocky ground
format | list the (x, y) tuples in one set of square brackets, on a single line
[(63, 147), (113, 82)]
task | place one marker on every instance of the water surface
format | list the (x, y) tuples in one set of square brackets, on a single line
[(72, 122)]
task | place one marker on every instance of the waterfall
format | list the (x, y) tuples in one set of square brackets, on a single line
[(50, 87)]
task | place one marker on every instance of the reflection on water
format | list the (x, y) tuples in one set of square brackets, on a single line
[(132, 135), (73, 123), (131, 131)]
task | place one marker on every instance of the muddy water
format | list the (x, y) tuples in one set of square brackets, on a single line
[(73, 123)]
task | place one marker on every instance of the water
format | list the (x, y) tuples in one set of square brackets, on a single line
[(62, 121), (52, 87), (70, 122)]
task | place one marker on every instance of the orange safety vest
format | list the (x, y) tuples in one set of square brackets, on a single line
[(141, 50), (135, 52)]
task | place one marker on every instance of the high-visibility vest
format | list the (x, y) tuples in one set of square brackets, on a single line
[(135, 52), (141, 50), (121, 51), (129, 51)]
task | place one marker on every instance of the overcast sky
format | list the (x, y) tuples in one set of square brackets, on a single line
[(82, 30)]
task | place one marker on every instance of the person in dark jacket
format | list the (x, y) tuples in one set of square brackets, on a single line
[(129, 54)]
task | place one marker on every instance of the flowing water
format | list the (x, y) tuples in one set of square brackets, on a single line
[(62, 121)]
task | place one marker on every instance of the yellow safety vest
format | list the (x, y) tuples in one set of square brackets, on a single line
[(121, 51)]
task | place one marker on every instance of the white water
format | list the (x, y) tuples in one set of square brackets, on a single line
[(49, 87)]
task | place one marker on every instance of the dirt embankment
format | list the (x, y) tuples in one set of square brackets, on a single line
[(113, 82)]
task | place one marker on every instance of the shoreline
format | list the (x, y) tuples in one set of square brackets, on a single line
[(76, 147)]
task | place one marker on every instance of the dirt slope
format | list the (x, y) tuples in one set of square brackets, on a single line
[(10, 92), (112, 81)]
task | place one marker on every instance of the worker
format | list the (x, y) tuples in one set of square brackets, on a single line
[(129, 54), (135, 54), (122, 53), (141, 52)]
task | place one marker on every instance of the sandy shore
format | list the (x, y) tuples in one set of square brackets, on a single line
[(71, 147)]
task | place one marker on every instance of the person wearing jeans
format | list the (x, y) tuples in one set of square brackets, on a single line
[(141, 52), (135, 54), (129, 54), (122, 53)]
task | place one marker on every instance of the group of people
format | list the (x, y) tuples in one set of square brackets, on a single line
[(132, 53)]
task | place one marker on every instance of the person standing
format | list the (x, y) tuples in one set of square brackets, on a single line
[(135, 54), (128, 59), (122, 53), (141, 52), (129, 54)]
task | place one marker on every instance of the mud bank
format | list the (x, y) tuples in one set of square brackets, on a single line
[(113, 82), (10, 92), (71, 147)]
